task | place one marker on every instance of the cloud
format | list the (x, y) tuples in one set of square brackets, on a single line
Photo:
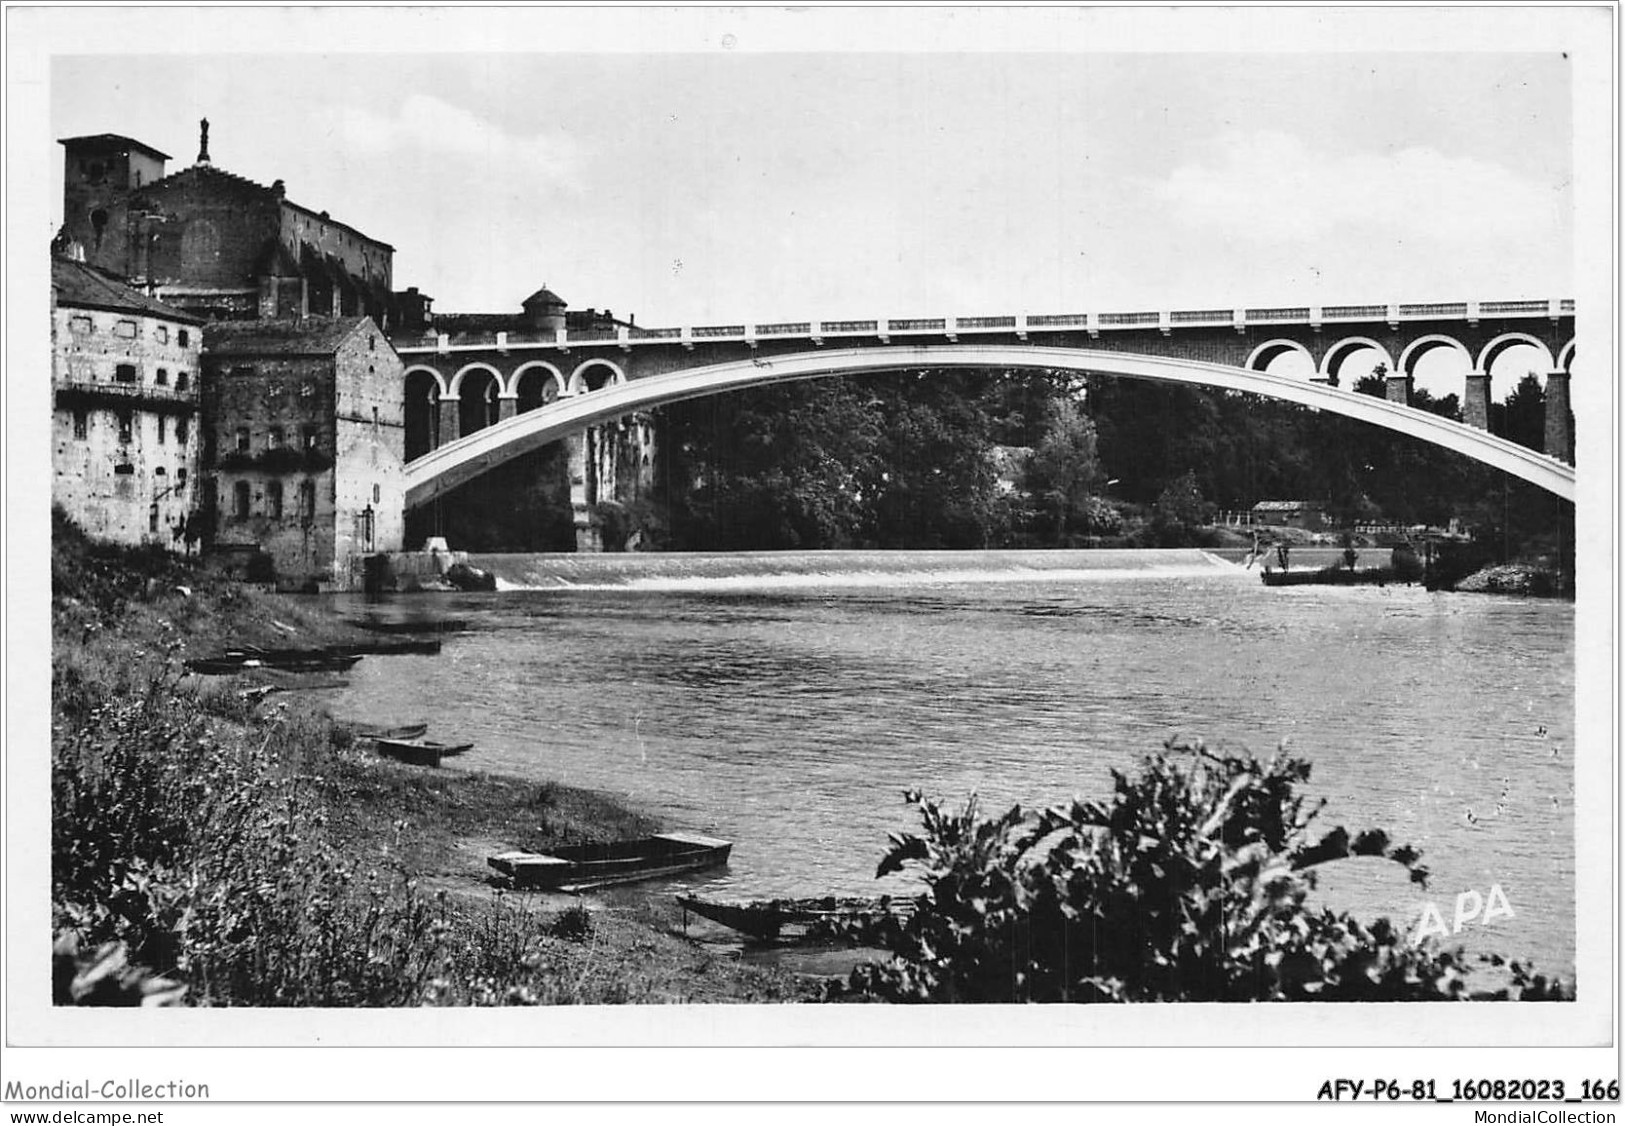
[(424, 129), (1270, 186)]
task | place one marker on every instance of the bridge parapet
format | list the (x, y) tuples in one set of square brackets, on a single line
[(630, 338)]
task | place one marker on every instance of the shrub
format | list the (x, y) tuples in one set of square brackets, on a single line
[(1189, 885)]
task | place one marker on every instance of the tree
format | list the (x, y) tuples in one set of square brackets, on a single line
[(1522, 418), (1064, 469), (1179, 511), (1190, 884)]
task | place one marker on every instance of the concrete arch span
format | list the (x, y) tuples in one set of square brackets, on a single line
[(467, 458)]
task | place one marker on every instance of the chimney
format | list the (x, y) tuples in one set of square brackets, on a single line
[(203, 142)]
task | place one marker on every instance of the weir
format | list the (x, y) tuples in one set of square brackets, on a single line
[(680, 571)]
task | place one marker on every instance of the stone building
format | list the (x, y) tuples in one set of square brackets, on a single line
[(304, 444), (124, 374), (214, 243)]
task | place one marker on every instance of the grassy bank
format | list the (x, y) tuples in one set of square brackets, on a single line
[(251, 851)]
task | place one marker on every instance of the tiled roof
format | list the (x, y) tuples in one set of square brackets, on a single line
[(310, 336), (85, 287), (543, 296), (116, 139), (198, 171)]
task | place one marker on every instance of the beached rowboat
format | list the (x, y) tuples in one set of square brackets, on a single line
[(379, 731), (770, 919), (419, 752), (582, 867)]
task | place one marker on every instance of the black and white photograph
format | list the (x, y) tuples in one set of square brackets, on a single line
[(760, 535)]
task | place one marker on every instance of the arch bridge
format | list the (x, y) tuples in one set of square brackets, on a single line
[(474, 402)]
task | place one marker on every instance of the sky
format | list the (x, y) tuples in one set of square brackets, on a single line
[(726, 185)]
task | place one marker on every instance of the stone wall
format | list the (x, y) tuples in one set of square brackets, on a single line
[(271, 430), (124, 435), (370, 447)]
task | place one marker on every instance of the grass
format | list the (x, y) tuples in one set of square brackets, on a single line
[(253, 853)]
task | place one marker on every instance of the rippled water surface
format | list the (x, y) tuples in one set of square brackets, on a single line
[(786, 702)]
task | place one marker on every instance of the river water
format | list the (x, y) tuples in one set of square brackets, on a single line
[(785, 702)]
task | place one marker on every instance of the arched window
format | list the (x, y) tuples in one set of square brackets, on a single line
[(307, 501), (273, 500)]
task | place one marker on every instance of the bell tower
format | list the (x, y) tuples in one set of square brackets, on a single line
[(99, 174)]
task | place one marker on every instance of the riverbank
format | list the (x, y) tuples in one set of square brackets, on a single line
[(249, 848)]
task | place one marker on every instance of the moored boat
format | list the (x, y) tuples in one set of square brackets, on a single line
[(419, 752), (583, 867), (281, 660), (378, 731), (810, 918)]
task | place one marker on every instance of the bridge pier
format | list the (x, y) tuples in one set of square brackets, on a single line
[(1559, 429), (1399, 388), (507, 405), (1475, 405), (450, 421)]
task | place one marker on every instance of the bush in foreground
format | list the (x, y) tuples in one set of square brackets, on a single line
[(1189, 885)]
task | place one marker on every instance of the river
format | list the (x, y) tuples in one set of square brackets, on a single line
[(785, 702)]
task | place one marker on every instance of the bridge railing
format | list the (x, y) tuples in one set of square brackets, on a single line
[(1021, 324)]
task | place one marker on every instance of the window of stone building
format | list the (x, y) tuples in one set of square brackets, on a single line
[(162, 333), (180, 477), (372, 345), (124, 329), (377, 494), (307, 500), (181, 429), (242, 439), (152, 517), (81, 424), (309, 437), (126, 426), (81, 325), (273, 500), (181, 380), (162, 426), (183, 337), (123, 469), (125, 373), (375, 418), (162, 377), (160, 472), (239, 500), (274, 439)]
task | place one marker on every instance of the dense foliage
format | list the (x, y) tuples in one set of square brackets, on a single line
[(1190, 884), (906, 460)]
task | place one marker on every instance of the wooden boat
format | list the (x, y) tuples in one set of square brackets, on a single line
[(1331, 576), (282, 660), (419, 752), (771, 919), (582, 867), (378, 731)]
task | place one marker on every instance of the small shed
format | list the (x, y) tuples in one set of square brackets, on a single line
[(1290, 513)]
